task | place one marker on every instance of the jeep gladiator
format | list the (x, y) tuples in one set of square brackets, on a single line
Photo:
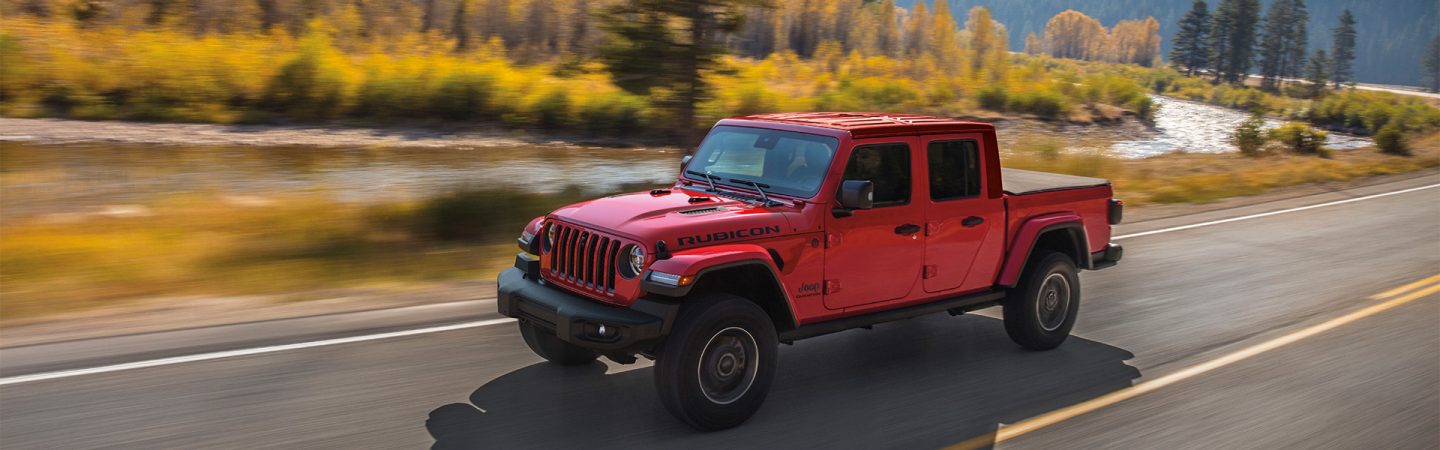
[(783, 227)]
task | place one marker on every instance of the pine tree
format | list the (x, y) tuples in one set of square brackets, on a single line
[(1431, 62), (1317, 72), (1342, 47), (1282, 49), (1191, 47), (669, 44), (1232, 38)]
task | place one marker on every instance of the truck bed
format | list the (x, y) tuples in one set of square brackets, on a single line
[(1021, 182)]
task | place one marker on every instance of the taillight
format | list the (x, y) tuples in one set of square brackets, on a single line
[(1117, 211)]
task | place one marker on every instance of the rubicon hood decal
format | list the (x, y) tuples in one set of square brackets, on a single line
[(743, 233)]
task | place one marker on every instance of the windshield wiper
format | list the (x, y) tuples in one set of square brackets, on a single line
[(759, 187), (708, 178)]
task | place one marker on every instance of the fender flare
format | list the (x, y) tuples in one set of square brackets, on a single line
[(1021, 250), (700, 261)]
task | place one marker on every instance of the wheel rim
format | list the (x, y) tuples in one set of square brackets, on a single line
[(1052, 303), (728, 365)]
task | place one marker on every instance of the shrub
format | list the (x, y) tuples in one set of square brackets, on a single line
[(620, 113), (1300, 138), (992, 97), (553, 109), (463, 95), (1250, 135), (1048, 105), (390, 97), (1391, 141), (305, 88)]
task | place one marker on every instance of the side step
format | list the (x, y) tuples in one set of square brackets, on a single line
[(962, 303)]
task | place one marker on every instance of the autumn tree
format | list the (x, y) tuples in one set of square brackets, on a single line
[(1342, 49), (1191, 44), (944, 44), (1135, 41), (917, 32), (1282, 47), (1072, 34), (1033, 45), (987, 41)]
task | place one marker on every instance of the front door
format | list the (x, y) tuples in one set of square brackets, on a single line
[(875, 255), (962, 224)]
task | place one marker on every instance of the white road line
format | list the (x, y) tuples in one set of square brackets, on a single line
[(372, 337), (244, 352), (1268, 214)]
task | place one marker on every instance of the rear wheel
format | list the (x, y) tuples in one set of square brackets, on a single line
[(715, 369), (553, 349), (1041, 310)]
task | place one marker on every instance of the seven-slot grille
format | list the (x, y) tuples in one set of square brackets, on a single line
[(584, 258)]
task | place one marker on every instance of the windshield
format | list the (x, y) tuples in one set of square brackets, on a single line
[(785, 162)]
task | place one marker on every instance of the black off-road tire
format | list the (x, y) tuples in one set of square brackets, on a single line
[(715, 369), (552, 348), (1041, 309)]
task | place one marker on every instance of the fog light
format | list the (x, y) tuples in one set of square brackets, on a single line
[(602, 331)]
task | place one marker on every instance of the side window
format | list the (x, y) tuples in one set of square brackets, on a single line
[(885, 165), (954, 169)]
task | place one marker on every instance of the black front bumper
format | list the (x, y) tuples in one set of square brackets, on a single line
[(577, 319)]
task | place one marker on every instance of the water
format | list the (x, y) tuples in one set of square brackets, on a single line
[(1194, 127)]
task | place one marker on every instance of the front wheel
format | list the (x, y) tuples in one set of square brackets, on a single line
[(1040, 311), (715, 369)]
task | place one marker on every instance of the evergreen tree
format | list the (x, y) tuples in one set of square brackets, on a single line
[(1317, 73), (1191, 47), (1232, 38), (669, 44), (1342, 47), (1282, 49), (1431, 62)]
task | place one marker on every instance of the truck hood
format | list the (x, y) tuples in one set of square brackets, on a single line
[(682, 218)]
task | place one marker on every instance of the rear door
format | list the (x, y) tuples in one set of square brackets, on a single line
[(962, 225), (875, 255)]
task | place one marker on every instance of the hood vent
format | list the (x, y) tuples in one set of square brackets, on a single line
[(694, 212)]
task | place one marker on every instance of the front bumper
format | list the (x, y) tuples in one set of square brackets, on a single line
[(577, 319)]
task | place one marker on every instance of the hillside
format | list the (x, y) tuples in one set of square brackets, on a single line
[(1392, 33)]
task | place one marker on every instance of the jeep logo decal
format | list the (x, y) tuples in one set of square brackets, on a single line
[(808, 289), (685, 241)]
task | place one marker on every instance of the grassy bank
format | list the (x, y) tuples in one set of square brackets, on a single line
[(200, 244)]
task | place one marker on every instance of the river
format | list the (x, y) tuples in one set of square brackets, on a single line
[(40, 178)]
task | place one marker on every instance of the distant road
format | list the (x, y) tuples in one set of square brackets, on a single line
[(1250, 285)]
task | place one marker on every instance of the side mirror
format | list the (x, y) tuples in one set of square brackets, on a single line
[(686, 160), (855, 194)]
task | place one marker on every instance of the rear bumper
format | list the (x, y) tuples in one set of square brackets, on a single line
[(1107, 257), (577, 319)]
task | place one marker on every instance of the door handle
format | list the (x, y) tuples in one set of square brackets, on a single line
[(972, 221), (908, 228)]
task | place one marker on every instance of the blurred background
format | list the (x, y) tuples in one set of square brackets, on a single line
[(402, 142), (178, 163)]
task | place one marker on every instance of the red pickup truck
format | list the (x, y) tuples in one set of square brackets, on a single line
[(783, 227)]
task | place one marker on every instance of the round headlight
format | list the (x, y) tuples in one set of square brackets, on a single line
[(637, 260)]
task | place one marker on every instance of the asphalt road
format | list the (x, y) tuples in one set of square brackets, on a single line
[(1181, 299)]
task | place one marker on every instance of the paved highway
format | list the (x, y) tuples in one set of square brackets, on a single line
[(1255, 327)]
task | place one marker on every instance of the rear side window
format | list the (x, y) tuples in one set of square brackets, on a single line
[(887, 166), (954, 169)]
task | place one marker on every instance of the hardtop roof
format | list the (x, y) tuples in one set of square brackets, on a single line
[(868, 124)]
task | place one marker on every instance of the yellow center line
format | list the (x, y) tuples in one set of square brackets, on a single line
[(1405, 288), (1044, 420)]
